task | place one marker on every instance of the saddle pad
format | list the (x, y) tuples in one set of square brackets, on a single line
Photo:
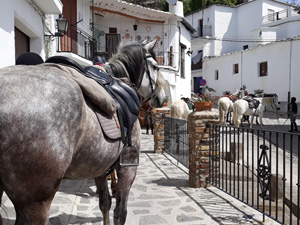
[(97, 94), (110, 125)]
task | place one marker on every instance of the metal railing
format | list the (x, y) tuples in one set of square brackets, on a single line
[(78, 42), (176, 139), (275, 16), (258, 167), (203, 31)]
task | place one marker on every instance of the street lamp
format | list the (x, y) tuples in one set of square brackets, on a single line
[(62, 27)]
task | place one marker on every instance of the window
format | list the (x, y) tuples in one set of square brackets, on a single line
[(182, 56), (245, 47), (112, 30), (271, 15), (216, 74), (263, 69), (235, 68)]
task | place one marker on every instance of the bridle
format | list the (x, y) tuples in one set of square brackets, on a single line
[(153, 91)]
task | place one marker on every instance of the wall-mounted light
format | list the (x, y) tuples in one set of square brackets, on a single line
[(135, 27), (62, 27), (189, 52)]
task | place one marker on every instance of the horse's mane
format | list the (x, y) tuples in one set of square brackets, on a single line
[(132, 56)]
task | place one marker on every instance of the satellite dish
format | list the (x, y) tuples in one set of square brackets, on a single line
[(172, 2)]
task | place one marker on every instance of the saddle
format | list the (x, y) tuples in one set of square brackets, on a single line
[(253, 103), (126, 99)]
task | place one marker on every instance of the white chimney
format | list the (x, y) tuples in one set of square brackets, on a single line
[(176, 8)]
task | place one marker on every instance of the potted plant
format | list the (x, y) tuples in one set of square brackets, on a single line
[(204, 102), (166, 100)]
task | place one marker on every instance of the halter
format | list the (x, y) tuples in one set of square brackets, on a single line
[(153, 92), (137, 86)]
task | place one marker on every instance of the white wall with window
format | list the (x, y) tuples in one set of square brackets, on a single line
[(259, 68), (25, 17)]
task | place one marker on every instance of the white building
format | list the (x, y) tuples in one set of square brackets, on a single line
[(22, 26), (96, 28), (254, 44)]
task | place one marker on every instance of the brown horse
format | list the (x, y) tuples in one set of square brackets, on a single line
[(49, 131)]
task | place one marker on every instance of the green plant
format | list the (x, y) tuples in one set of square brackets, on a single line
[(166, 99), (204, 98)]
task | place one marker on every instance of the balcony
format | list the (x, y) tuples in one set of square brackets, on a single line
[(275, 16), (203, 31), (78, 42)]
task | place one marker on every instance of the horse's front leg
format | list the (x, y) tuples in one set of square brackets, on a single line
[(126, 177), (104, 198), (260, 121)]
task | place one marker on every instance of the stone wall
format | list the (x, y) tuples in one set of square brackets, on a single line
[(199, 146), (159, 129)]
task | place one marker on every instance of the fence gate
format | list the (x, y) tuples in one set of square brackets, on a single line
[(258, 167), (176, 139)]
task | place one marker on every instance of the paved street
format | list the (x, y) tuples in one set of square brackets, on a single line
[(160, 195)]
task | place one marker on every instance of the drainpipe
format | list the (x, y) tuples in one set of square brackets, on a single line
[(241, 69), (290, 74)]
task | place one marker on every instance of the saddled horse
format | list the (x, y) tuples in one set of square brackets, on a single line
[(225, 106), (49, 131), (241, 107)]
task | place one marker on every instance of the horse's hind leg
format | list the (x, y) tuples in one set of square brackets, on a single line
[(32, 200), (126, 177), (104, 198)]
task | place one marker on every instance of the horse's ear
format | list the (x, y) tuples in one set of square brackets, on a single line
[(150, 45), (144, 42)]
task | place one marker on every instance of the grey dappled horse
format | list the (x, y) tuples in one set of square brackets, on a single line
[(48, 132)]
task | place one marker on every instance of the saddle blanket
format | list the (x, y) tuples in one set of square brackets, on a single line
[(98, 96)]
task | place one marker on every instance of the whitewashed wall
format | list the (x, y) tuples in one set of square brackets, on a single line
[(21, 14), (282, 77)]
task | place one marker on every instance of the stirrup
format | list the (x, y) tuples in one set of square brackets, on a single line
[(131, 157)]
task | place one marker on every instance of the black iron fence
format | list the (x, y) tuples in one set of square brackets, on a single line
[(176, 139), (258, 167)]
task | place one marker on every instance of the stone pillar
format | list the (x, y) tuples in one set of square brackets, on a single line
[(159, 129), (199, 146)]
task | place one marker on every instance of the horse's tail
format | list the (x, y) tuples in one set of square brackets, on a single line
[(173, 111), (235, 115)]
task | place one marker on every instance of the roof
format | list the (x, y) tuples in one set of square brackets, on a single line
[(133, 11), (295, 38), (236, 6), (138, 12)]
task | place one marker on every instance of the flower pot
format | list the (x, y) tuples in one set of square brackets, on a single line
[(202, 106)]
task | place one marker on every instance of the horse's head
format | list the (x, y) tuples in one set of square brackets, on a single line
[(153, 83), (136, 61), (275, 102)]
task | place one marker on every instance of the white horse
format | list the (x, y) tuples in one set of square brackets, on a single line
[(225, 106), (180, 110), (268, 100), (241, 107)]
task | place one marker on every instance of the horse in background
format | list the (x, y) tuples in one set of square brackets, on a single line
[(242, 107), (225, 105), (180, 109)]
